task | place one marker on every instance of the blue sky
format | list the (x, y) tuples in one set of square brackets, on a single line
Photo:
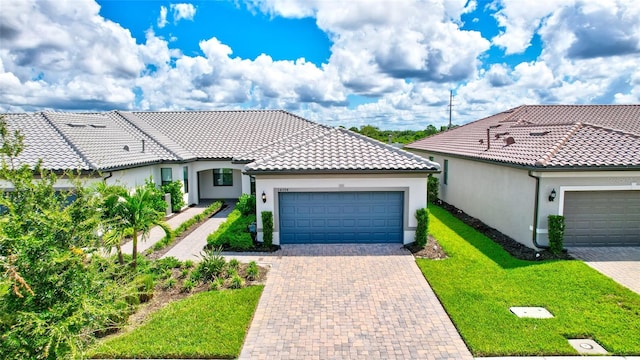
[(381, 62)]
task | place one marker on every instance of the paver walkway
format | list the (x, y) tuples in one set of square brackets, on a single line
[(190, 247), (156, 233), (349, 302), (622, 264)]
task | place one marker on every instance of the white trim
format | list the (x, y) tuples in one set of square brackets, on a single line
[(539, 230), (563, 189), (586, 174)]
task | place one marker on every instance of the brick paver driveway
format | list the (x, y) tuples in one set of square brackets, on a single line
[(349, 302), (622, 264)]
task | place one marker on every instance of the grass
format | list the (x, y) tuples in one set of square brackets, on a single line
[(479, 282), (210, 324)]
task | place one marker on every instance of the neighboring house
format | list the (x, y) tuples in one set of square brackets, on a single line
[(513, 169), (323, 185)]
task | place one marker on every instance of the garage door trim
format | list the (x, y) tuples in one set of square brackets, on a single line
[(277, 191)]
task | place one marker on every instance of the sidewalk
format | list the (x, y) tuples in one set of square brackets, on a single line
[(156, 234), (190, 247)]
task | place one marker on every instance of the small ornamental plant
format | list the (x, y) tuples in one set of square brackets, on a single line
[(556, 227), (422, 215), (267, 228)]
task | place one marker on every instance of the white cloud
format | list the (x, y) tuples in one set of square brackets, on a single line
[(400, 60), (162, 19), (183, 11)]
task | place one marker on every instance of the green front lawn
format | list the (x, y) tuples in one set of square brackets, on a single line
[(210, 324), (479, 282)]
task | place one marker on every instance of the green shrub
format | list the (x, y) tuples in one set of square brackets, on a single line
[(211, 266), (246, 204), (233, 232), (188, 264), (267, 228), (422, 215), (252, 271), (556, 227), (175, 189), (433, 184), (234, 264), (236, 282), (216, 284), (242, 241), (170, 283), (188, 285)]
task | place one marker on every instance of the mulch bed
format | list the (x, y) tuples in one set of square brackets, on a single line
[(432, 250), (516, 249)]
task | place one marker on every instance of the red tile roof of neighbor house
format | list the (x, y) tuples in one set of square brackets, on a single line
[(548, 137)]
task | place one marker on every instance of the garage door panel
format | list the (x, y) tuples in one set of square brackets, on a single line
[(602, 218), (341, 217)]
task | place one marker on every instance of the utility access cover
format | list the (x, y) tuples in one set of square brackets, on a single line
[(531, 312)]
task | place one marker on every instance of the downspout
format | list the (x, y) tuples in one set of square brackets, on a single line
[(534, 237), (110, 175)]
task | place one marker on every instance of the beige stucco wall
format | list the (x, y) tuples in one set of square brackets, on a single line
[(500, 196), (414, 186)]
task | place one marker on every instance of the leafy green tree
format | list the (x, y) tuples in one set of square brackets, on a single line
[(175, 189), (51, 300)]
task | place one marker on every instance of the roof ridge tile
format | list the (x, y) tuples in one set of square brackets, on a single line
[(70, 143), (544, 160), (390, 147), (135, 121), (279, 141)]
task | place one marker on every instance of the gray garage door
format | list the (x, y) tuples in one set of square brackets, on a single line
[(602, 218), (341, 217)]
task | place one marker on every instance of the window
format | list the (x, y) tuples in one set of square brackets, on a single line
[(445, 175), (252, 179), (185, 178), (166, 175), (222, 177)]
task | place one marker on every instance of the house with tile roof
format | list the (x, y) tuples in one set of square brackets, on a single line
[(513, 169), (323, 184)]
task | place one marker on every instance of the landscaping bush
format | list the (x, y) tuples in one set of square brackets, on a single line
[(246, 204), (233, 234), (556, 226), (211, 266), (433, 184), (423, 227), (252, 271), (169, 238), (267, 228), (175, 189)]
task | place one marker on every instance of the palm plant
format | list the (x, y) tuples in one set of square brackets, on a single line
[(131, 214)]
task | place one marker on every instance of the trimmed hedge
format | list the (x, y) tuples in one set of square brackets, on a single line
[(175, 189), (556, 225), (267, 228), (422, 215), (233, 234)]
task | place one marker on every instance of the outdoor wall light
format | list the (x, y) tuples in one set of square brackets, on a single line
[(264, 197), (552, 196)]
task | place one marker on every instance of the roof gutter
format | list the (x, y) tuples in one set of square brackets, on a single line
[(339, 172), (534, 236)]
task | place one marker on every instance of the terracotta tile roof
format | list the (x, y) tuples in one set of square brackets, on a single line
[(548, 136), (224, 134), (340, 150)]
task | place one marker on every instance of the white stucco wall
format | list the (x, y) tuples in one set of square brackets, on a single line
[(414, 185)]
